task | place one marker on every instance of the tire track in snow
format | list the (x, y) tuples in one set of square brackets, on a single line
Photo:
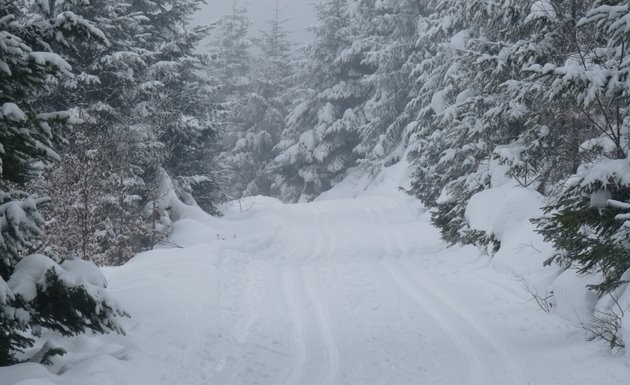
[(241, 330), (395, 253), (319, 238), (293, 301), (465, 332), (288, 286), (326, 247), (514, 372), (318, 359), (267, 245), (457, 338), (314, 335), (333, 355)]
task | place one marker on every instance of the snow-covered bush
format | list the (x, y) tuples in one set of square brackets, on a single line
[(36, 292)]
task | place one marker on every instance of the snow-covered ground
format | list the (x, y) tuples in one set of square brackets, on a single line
[(355, 288)]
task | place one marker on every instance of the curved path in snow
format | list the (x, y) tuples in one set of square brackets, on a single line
[(334, 292), (349, 295)]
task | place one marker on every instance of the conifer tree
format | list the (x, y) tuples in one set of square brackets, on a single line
[(479, 106), (147, 115), (586, 219), (448, 144), (387, 32), (35, 291), (180, 108), (260, 122), (352, 111), (230, 69), (321, 132)]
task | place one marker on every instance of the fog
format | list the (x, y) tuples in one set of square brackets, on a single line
[(298, 13)]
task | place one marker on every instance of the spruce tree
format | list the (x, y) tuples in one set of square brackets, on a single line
[(147, 117), (321, 131), (586, 220), (387, 31), (475, 106), (448, 139), (230, 69), (184, 113), (259, 124), (35, 291)]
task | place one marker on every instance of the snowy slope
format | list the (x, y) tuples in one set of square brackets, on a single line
[(355, 288)]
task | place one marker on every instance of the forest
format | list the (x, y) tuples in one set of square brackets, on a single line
[(113, 117)]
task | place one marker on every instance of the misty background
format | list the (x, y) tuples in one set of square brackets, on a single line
[(299, 15)]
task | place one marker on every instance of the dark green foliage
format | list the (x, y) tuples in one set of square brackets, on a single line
[(21, 227), (22, 78), (59, 305), (591, 234), (448, 222), (449, 217), (589, 237), (454, 228), (12, 337), (70, 310)]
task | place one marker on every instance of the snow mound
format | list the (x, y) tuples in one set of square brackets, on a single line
[(31, 271), (394, 178), (499, 210), (505, 211)]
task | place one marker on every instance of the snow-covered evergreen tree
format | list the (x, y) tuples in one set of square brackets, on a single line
[(230, 52), (476, 104), (355, 89), (388, 36), (321, 131), (86, 186), (183, 111), (230, 69), (254, 128), (585, 219), (145, 109), (35, 291), (552, 129), (538, 87), (448, 146)]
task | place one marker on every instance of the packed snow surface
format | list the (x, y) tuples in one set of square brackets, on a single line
[(354, 288)]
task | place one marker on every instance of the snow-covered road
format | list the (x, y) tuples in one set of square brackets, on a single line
[(335, 292), (365, 311)]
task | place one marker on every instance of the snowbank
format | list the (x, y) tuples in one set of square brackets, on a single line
[(31, 272), (505, 210), (359, 183)]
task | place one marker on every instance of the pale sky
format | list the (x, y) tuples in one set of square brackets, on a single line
[(299, 13)]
